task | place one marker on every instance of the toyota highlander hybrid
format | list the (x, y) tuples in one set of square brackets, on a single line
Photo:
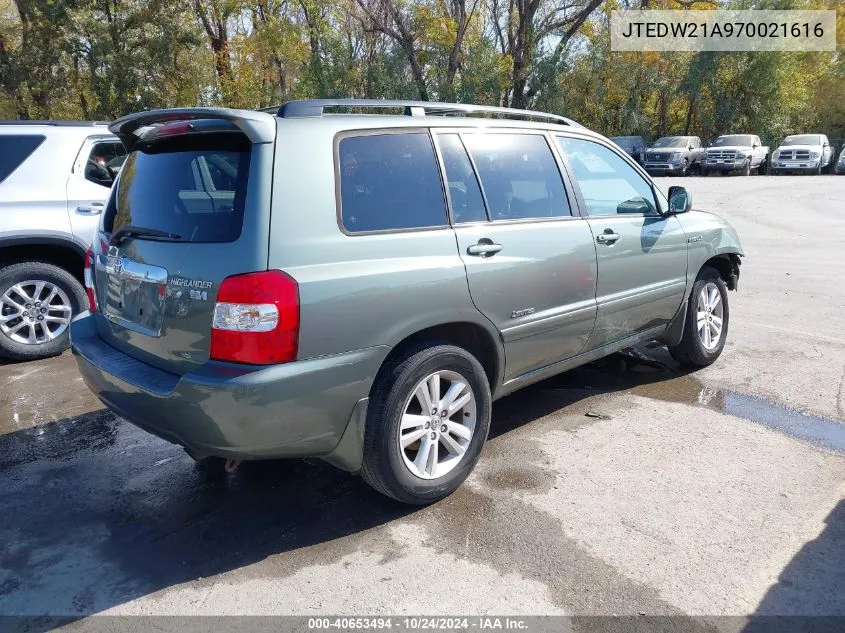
[(361, 288)]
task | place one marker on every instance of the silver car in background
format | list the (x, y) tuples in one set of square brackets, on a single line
[(55, 177), (736, 152), (674, 155), (807, 153)]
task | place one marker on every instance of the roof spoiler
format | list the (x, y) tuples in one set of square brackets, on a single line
[(259, 127)]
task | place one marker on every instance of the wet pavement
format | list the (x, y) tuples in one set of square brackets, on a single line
[(624, 487)]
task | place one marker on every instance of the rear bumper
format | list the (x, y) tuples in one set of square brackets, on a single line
[(297, 409)]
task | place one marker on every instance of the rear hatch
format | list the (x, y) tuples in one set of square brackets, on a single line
[(190, 208)]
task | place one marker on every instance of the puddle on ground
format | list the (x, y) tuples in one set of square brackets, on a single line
[(649, 371), (37, 393), (824, 432)]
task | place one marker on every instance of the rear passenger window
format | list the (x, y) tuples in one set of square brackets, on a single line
[(14, 150), (519, 176), (104, 162), (608, 183), (390, 182), (464, 192)]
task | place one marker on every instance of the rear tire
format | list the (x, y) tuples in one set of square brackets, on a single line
[(403, 450), (27, 289), (696, 349)]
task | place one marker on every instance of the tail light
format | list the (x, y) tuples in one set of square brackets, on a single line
[(256, 319), (89, 280)]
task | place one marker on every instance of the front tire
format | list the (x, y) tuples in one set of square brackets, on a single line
[(427, 422), (706, 327), (37, 302), (746, 169)]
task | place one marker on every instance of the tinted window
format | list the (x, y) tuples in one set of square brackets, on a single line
[(608, 183), (625, 142), (738, 140), (14, 150), (671, 141), (390, 181), (104, 162), (519, 176), (467, 202), (803, 139), (198, 194)]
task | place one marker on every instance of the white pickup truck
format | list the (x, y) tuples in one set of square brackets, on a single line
[(732, 152), (809, 153)]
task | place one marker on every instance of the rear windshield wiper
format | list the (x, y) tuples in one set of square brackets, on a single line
[(138, 231)]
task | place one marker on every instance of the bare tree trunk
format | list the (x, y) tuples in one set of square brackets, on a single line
[(214, 23), (386, 18), (529, 31)]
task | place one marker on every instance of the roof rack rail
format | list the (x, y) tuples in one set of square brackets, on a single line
[(316, 107), (52, 122)]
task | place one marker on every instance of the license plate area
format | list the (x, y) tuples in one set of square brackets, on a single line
[(135, 294)]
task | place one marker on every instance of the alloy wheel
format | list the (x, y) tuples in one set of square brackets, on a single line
[(437, 425), (710, 314), (34, 312)]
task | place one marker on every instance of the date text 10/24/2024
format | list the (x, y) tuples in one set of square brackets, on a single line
[(420, 623)]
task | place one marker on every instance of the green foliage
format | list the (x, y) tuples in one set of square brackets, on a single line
[(99, 59)]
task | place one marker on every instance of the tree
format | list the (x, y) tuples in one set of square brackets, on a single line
[(522, 26)]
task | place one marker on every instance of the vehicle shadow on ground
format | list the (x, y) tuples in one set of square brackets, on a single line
[(810, 592), (96, 512)]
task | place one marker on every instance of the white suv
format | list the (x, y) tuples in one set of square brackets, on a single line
[(55, 178)]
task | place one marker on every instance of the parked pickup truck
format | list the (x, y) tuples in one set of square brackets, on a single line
[(809, 153), (674, 155), (736, 152)]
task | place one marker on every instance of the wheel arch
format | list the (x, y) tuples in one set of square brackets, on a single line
[(727, 265), (473, 337), (60, 252)]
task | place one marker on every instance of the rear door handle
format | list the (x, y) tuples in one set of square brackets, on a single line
[(485, 248), (95, 208), (608, 237)]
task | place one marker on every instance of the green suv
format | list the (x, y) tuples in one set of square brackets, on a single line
[(360, 280)]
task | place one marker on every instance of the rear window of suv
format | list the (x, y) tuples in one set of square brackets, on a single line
[(193, 189), (389, 182), (15, 149)]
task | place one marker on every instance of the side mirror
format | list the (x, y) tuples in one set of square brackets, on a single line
[(680, 200)]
